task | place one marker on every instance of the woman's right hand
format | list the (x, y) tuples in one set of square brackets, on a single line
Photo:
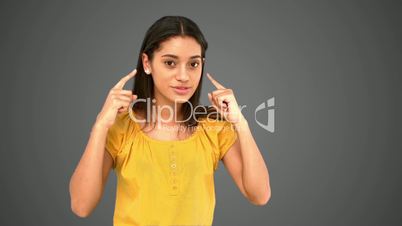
[(117, 101)]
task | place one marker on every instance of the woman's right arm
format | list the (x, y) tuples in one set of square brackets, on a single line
[(88, 180), (90, 176)]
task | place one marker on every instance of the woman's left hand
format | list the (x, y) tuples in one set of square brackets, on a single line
[(224, 101)]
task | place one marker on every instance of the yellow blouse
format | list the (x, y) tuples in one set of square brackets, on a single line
[(166, 182)]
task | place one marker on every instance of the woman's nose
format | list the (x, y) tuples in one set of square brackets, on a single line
[(182, 75)]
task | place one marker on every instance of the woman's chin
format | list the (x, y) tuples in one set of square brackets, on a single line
[(181, 100)]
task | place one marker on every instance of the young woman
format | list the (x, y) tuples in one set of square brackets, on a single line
[(163, 145)]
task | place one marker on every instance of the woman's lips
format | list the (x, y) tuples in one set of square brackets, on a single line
[(181, 90)]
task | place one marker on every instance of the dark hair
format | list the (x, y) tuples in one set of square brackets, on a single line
[(163, 29)]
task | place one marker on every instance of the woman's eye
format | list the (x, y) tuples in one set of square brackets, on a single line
[(194, 64), (169, 63)]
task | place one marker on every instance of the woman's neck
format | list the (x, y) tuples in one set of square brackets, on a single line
[(167, 113)]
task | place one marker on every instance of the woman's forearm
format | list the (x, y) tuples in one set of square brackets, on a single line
[(255, 173), (86, 183)]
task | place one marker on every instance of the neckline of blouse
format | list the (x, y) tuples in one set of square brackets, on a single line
[(190, 138)]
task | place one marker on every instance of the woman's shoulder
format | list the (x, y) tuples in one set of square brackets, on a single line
[(209, 116), (124, 122), (122, 119)]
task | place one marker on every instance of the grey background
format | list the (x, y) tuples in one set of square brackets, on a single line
[(333, 67)]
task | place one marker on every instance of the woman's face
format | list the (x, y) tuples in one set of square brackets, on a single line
[(176, 69)]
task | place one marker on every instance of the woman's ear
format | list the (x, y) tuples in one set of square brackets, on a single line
[(146, 63)]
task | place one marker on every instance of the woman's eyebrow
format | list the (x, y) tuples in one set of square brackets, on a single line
[(176, 57)]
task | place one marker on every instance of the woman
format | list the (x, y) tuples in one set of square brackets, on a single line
[(165, 177)]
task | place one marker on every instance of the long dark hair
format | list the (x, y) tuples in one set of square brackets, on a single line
[(164, 28)]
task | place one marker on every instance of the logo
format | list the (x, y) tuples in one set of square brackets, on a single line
[(267, 106)]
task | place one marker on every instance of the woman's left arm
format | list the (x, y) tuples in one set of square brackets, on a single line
[(243, 160), (246, 165)]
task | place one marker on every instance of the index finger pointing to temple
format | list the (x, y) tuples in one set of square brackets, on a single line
[(123, 80), (216, 84)]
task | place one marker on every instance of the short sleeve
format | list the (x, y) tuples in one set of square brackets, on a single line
[(116, 136), (226, 135)]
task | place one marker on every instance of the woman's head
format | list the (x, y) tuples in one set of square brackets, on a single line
[(176, 63), (172, 55)]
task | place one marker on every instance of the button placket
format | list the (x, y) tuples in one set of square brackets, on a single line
[(173, 180)]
